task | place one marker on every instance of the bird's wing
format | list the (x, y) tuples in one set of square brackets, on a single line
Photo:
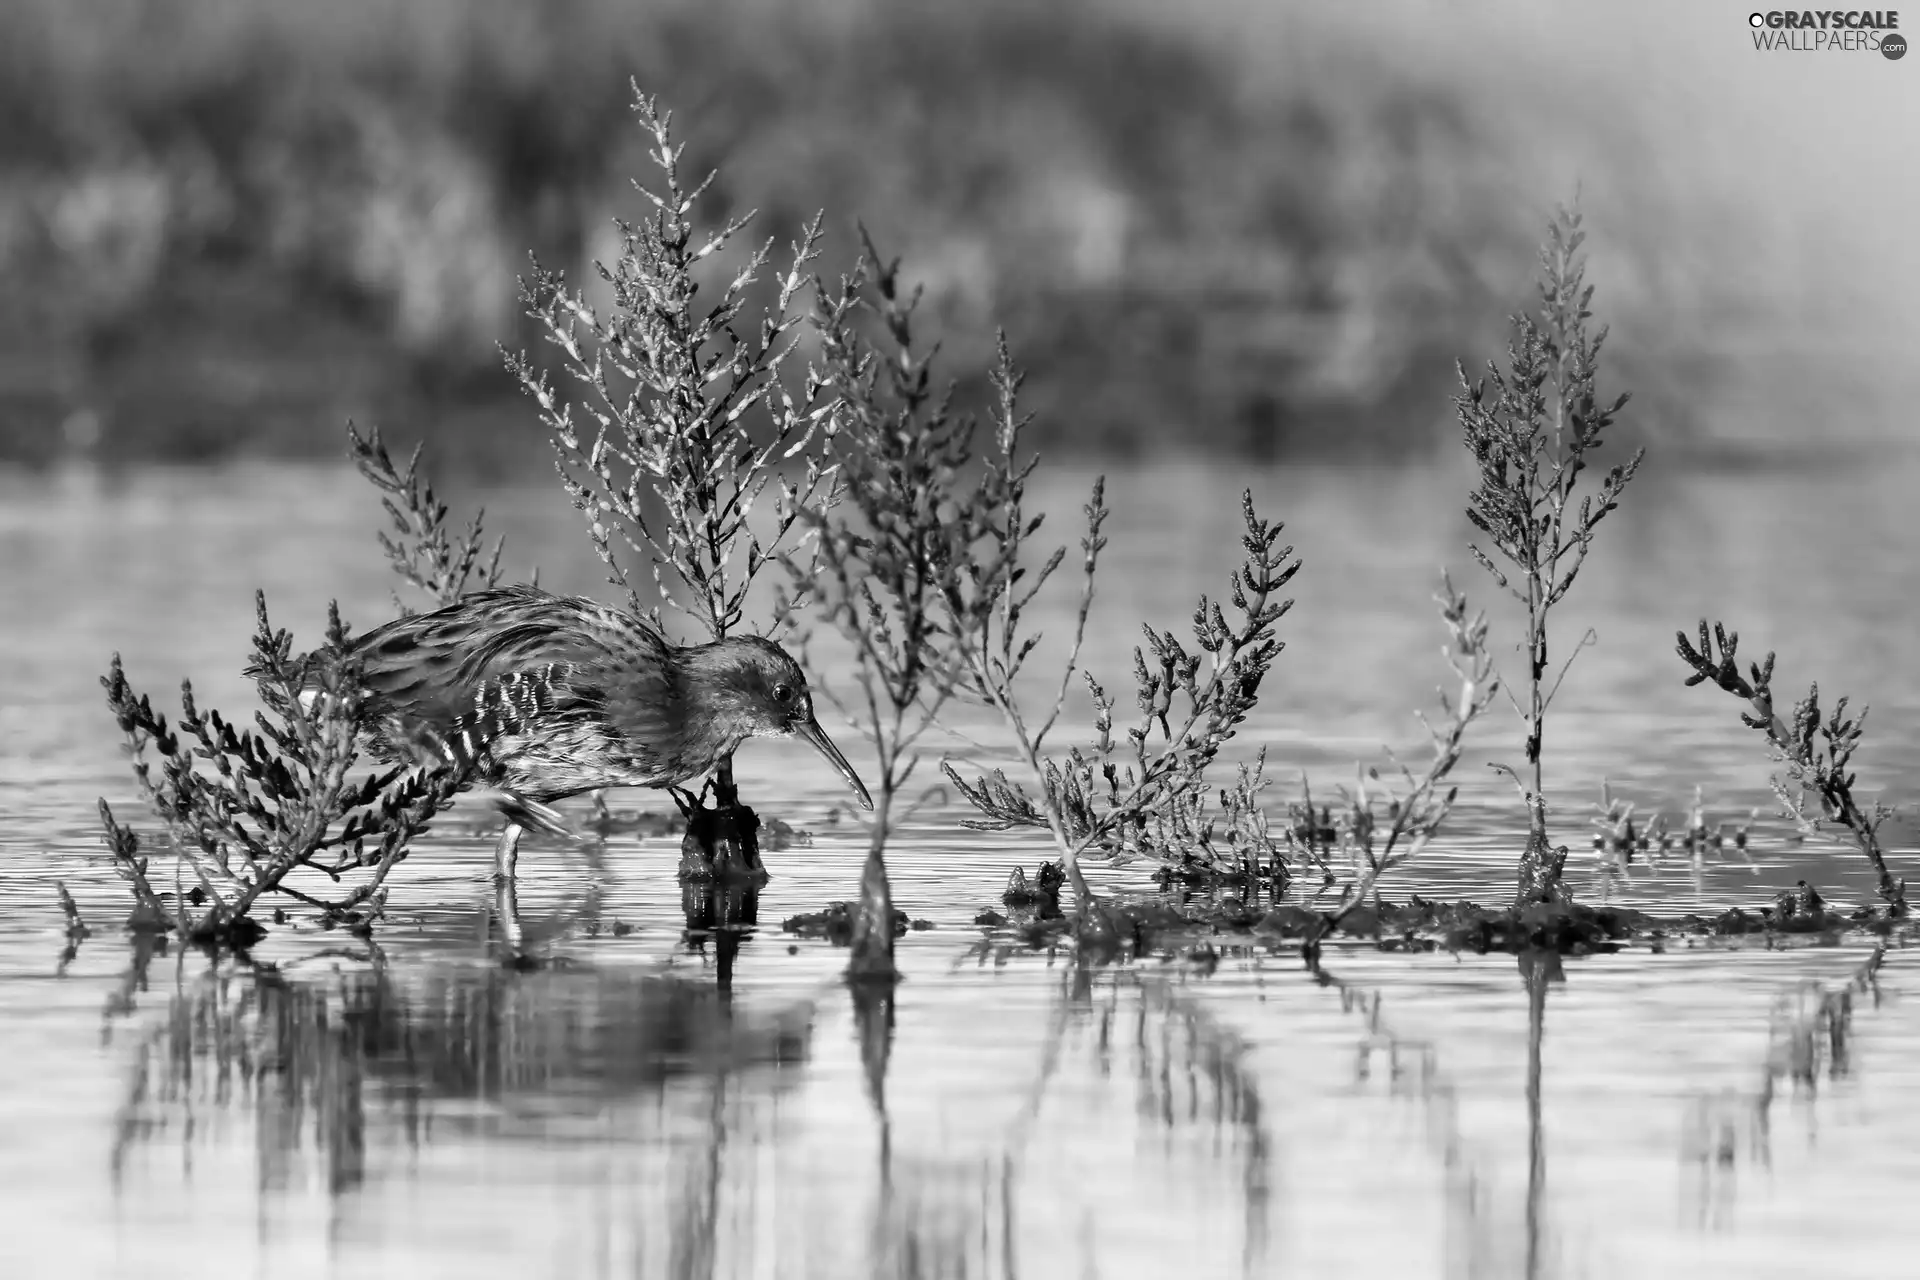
[(551, 702), (497, 662), (430, 667)]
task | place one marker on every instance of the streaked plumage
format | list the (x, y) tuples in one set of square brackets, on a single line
[(546, 696)]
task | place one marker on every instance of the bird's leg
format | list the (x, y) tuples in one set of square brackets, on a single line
[(506, 908), (506, 899), (507, 854)]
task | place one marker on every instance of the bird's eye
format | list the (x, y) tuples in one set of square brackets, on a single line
[(783, 692)]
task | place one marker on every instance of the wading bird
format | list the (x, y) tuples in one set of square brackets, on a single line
[(543, 696)]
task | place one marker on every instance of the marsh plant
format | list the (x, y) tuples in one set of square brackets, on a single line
[(422, 548), (1532, 429), (886, 556), (1389, 820), (1383, 821), (1816, 754), (243, 809), (1619, 836), (679, 436), (1108, 796), (1224, 837)]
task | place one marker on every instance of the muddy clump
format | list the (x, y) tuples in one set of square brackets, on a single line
[(1162, 925), (835, 923)]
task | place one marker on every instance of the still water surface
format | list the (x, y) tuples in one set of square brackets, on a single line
[(665, 1104)]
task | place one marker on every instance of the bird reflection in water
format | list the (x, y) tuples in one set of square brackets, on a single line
[(687, 1132)]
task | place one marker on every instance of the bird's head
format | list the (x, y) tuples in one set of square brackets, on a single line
[(755, 689)]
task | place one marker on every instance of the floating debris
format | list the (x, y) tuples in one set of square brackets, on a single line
[(1164, 926), (835, 923)]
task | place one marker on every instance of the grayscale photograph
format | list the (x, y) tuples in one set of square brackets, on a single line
[(893, 640)]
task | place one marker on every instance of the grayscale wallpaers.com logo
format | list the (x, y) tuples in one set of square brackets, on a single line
[(1824, 30)]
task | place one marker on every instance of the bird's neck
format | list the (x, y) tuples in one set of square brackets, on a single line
[(717, 719)]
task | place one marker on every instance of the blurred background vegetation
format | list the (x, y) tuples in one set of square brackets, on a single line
[(1260, 230)]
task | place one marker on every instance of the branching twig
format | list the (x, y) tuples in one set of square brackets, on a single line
[(1110, 796), (1816, 753), (669, 385), (1531, 429), (886, 563), (1414, 815), (422, 549), (884, 559), (245, 808)]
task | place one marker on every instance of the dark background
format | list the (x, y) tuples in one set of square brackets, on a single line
[(1246, 229)]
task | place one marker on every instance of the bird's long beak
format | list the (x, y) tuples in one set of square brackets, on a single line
[(810, 730)]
